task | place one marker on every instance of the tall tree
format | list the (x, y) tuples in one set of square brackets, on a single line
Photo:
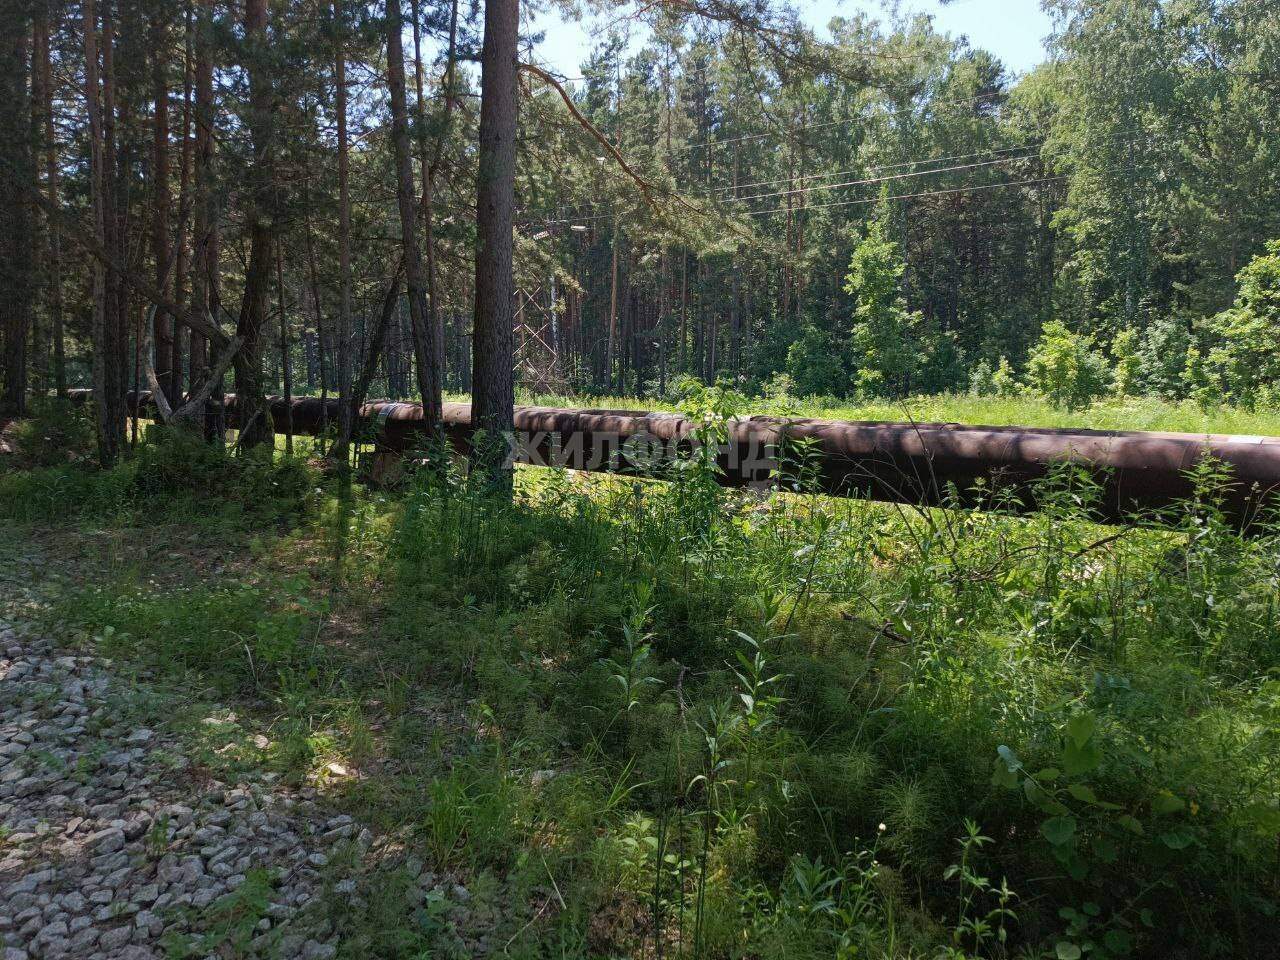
[(493, 390), (431, 168), (344, 359), (426, 355), (205, 232), (167, 360), (17, 178), (253, 410), (53, 266), (108, 342)]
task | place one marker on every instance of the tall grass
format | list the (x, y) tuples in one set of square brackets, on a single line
[(1123, 413), (810, 685)]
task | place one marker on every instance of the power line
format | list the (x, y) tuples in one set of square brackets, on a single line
[(977, 188), (876, 168), (1023, 151), (910, 196), (1132, 131), (1128, 137), (853, 203), (803, 191)]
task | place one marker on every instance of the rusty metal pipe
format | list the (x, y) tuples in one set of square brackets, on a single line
[(919, 463)]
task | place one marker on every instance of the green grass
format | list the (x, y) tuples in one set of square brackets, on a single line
[(170, 477), (664, 718), (1130, 413)]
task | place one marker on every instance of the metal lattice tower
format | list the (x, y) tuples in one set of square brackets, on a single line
[(537, 323)]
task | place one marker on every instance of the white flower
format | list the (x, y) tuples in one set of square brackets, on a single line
[(882, 828)]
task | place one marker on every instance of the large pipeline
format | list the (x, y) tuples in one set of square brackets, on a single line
[(918, 463)]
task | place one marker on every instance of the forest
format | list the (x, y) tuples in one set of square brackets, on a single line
[(292, 668)]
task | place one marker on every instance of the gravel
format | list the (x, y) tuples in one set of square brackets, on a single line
[(109, 841)]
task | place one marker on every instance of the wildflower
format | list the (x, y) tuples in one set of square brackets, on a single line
[(882, 828)]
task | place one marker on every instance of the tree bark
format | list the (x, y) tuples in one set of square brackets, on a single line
[(286, 366), (611, 341), (116, 208), (186, 156), (107, 353), (322, 347), (430, 168), (17, 176), (205, 294), (255, 414), (344, 238), (427, 357), (41, 232), (163, 329), (493, 392), (53, 273)]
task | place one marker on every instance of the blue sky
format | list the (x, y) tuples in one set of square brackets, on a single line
[(1013, 30)]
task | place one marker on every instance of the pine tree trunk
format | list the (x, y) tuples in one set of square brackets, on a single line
[(610, 346), (186, 155), (430, 168), (204, 233), (162, 322), (493, 393), (344, 239), (108, 348), (116, 301), (53, 275), (322, 347), (286, 367), (17, 176), (38, 361), (254, 412), (427, 358)]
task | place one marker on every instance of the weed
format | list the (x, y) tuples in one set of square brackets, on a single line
[(227, 925)]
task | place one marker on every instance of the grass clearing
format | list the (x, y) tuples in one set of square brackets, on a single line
[(1112, 413)]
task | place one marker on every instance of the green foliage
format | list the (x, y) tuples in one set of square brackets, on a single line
[(1199, 381), (1065, 368), (1162, 358), (887, 346), (1246, 354), (1003, 381), (228, 924), (985, 911), (1128, 363), (1026, 641), (57, 493), (240, 638), (170, 475), (821, 910), (815, 364), (984, 381), (57, 433)]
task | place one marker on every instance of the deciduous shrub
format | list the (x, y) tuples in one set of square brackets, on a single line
[(815, 365), (1066, 368), (1246, 355), (58, 432), (1162, 353), (1124, 351), (1000, 381)]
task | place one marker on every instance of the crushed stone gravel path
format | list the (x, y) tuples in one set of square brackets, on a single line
[(109, 848)]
